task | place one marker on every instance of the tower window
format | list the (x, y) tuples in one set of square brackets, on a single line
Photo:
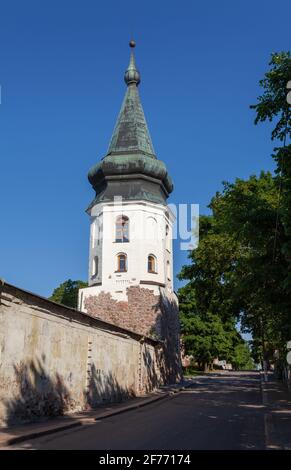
[(152, 264), (93, 229), (151, 232), (95, 266), (99, 233), (122, 263), (122, 229), (168, 239), (168, 270)]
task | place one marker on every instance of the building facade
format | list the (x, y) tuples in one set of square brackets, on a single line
[(131, 254)]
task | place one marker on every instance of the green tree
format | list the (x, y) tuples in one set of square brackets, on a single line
[(242, 357), (206, 310), (272, 104), (232, 275), (67, 293), (247, 210), (241, 269), (205, 336), (282, 156)]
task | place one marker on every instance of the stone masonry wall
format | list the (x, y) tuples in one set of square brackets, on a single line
[(56, 360), (140, 313), (147, 314)]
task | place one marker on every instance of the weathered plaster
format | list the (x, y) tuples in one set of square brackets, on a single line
[(55, 360)]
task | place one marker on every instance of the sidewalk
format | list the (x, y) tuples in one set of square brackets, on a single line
[(20, 433), (277, 400)]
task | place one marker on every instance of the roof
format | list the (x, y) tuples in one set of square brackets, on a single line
[(77, 314), (131, 134), (130, 169)]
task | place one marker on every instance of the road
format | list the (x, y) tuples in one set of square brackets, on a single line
[(220, 411)]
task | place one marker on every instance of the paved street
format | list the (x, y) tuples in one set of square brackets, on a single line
[(221, 411)]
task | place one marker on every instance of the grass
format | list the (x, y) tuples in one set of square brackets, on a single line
[(192, 372)]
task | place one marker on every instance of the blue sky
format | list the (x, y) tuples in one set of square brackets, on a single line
[(61, 76)]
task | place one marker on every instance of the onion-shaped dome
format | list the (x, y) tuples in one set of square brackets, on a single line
[(130, 168)]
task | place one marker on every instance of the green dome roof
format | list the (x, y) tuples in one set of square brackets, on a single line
[(128, 165), (130, 168)]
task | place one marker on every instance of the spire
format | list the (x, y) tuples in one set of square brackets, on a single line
[(130, 168), (131, 134), (132, 75)]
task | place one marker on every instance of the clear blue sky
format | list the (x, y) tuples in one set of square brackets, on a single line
[(61, 76)]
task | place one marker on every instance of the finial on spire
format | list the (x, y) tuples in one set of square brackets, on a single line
[(132, 75)]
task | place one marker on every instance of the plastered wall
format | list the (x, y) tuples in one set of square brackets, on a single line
[(55, 360)]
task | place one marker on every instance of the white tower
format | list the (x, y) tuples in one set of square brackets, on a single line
[(131, 255), (130, 245)]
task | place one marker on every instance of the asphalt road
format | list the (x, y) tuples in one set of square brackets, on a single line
[(221, 411)]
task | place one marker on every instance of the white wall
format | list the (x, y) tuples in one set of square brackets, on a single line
[(147, 235), (95, 247)]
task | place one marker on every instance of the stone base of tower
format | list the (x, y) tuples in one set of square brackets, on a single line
[(147, 312)]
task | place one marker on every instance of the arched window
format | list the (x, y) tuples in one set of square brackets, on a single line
[(122, 229), (168, 239), (121, 263), (168, 270), (152, 264), (151, 229), (99, 235), (95, 266), (93, 236)]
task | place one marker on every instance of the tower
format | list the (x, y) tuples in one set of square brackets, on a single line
[(130, 254)]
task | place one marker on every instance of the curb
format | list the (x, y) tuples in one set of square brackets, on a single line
[(133, 407), (84, 421), (33, 434)]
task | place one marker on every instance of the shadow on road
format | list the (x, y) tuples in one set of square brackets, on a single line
[(220, 412)]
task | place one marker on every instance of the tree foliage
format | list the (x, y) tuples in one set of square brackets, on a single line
[(208, 313), (233, 276), (242, 357), (205, 335), (67, 293), (242, 267), (272, 104)]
